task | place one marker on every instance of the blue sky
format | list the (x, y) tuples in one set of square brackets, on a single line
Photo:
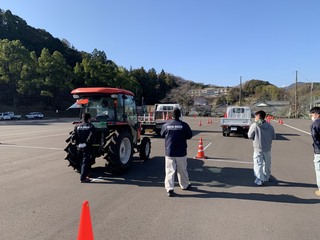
[(205, 41)]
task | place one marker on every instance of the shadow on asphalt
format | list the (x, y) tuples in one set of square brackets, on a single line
[(281, 136), (203, 178), (196, 132)]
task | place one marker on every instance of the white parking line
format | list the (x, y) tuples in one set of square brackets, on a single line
[(31, 147), (207, 146), (228, 161), (44, 136), (220, 160), (297, 129)]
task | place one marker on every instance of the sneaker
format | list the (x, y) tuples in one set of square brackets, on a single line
[(317, 192), (258, 182), (188, 187), (87, 180), (170, 193)]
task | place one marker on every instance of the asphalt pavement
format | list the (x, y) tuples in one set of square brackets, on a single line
[(41, 197)]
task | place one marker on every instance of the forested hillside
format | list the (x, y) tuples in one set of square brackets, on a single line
[(39, 70)]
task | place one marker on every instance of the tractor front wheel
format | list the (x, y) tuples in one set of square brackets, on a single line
[(145, 148)]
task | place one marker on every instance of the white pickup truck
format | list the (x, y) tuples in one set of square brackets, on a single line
[(154, 120), (13, 116), (237, 120)]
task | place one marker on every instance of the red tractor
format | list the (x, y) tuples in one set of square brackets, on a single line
[(115, 118)]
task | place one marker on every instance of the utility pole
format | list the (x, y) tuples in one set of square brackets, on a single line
[(240, 91), (311, 96), (295, 96)]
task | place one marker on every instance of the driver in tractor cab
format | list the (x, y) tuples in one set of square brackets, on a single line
[(83, 138), (105, 110)]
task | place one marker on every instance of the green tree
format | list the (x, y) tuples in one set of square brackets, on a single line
[(96, 70), (15, 66), (142, 78), (233, 96), (53, 72), (30, 85), (267, 93)]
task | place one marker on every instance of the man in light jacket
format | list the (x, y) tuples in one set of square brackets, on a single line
[(262, 134)]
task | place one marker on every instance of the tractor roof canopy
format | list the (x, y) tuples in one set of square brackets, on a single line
[(100, 90)]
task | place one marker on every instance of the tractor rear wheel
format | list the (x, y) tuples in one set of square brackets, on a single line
[(119, 151), (72, 156)]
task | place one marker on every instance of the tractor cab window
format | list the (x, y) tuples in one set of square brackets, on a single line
[(130, 109), (101, 108)]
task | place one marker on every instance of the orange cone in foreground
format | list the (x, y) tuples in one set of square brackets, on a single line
[(200, 154), (85, 227)]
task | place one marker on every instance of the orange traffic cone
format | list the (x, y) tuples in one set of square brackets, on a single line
[(280, 121), (85, 227), (200, 154), (200, 124)]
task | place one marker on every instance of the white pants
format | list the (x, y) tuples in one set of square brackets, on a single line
[(316, 161), (262, 165), (172, 164)]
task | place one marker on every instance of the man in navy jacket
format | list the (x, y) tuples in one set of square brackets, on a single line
[(315, 134), (176, 133), (84, 137)]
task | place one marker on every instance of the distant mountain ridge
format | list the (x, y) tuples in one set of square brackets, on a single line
[(294, 85)]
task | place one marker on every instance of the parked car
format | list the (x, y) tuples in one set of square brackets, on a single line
[(34, 115), (13, 116), (4, 116)]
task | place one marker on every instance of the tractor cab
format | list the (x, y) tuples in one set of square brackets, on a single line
[(106, 104)]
